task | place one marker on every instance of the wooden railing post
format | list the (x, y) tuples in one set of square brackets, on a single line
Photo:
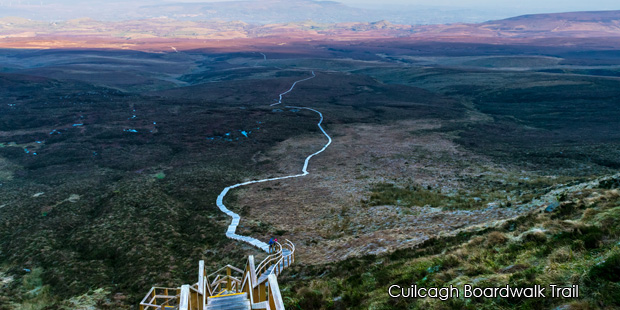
[(193, 305), (201, 277), (228, 283), (275, 298), (262, 296), (184, 298), (201, 282)]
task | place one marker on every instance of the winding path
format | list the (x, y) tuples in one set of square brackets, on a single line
[(291, 89), (232, 228)]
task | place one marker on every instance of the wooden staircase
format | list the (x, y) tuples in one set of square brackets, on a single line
[(229, 288)]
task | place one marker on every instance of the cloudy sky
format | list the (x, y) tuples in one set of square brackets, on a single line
[(555, 5), (403, 11)]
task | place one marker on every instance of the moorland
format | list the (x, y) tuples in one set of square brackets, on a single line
[(491, 161)]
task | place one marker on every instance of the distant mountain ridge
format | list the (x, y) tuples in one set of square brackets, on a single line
[(261, 12), (139, 34), (583, 16), (534, 26), (600, 21)]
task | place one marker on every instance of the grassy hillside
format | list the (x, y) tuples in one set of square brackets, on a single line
[(577, 243)]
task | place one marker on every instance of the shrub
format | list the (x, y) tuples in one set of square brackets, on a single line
[(310, 299), (608, 270), (535, 236), (496, 238), (561, 255)]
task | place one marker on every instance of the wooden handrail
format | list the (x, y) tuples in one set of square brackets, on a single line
[(267, 262), (264, 295), (224, 268), (280, 264), (277, 251), (226, 279), (158, 297)]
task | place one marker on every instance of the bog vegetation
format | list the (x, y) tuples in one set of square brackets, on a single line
[(577, 243)]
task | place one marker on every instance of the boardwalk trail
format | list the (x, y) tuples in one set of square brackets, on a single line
[(232, 228)]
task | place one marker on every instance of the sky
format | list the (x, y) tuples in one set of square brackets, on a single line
[(554, 5), (534, 4), (414, 11)]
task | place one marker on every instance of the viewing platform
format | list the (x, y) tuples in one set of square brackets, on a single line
[(230, 288)]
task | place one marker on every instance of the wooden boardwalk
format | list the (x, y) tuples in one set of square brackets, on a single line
[(231, 232), (254, 287)]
